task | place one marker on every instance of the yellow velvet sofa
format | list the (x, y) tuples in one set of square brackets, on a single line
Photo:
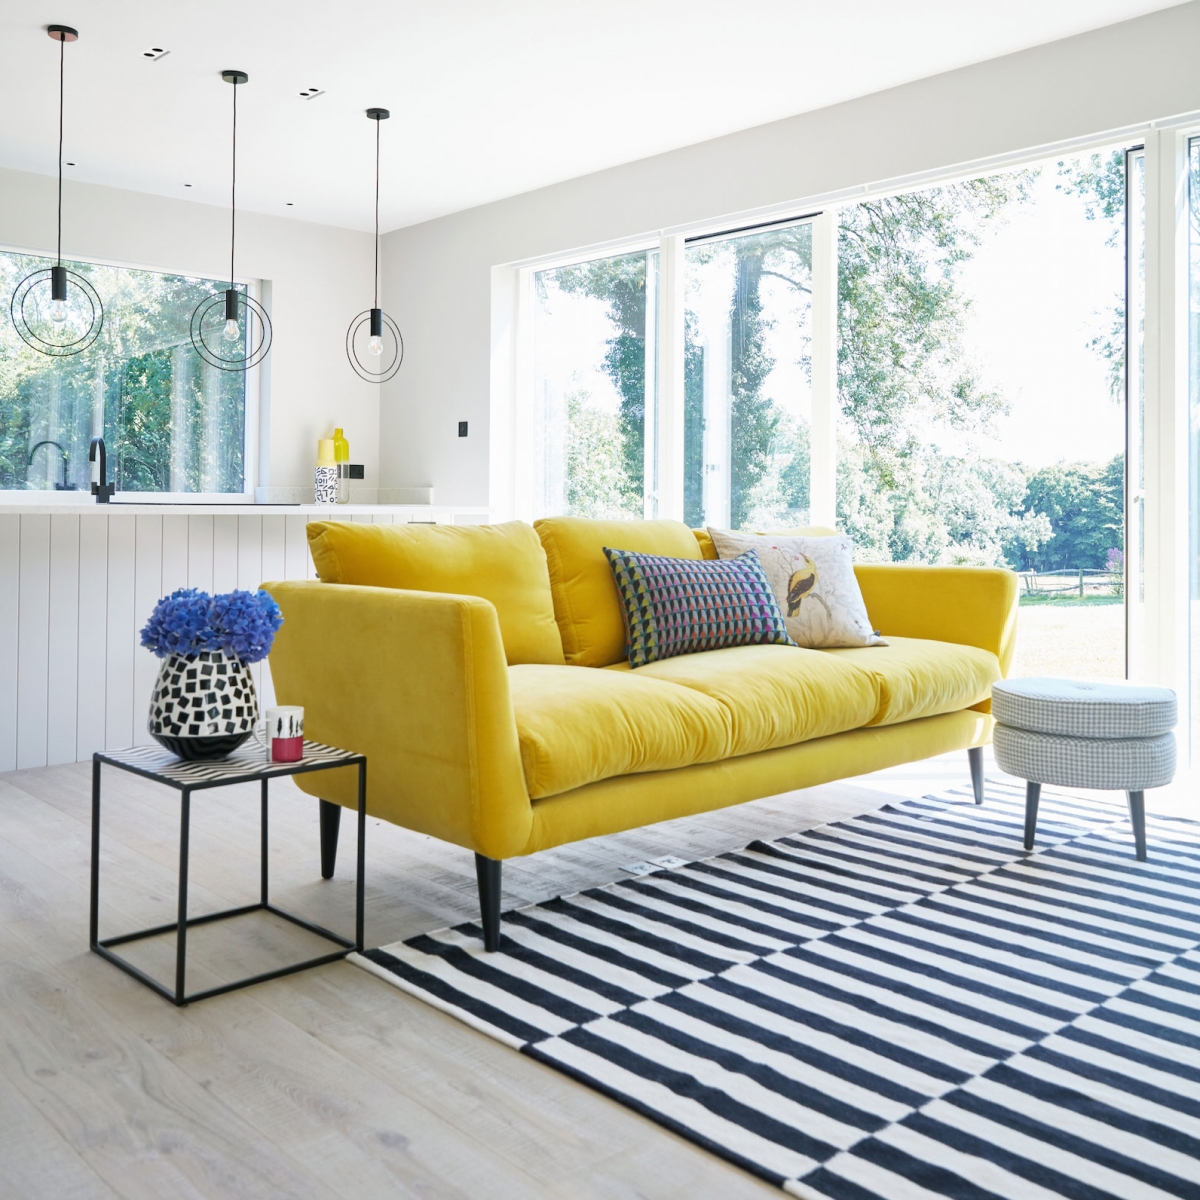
[(481, 669)]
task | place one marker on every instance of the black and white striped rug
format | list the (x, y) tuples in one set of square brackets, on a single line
[(904, 1005)]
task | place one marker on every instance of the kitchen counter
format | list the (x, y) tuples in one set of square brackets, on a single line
[(78, 581), (75, 504)]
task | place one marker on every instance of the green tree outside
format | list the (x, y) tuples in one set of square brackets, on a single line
[(1085, 506), (902, 373), (621, 283)]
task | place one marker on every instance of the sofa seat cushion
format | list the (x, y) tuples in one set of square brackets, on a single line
[(921, 678), (774, 695), (505, 564), (577, 725)]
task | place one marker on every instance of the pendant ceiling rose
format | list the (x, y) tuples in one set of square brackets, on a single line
[(230, 330), (56, 311), (367, 340)]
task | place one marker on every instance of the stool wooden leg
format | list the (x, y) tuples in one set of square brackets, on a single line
[(1033, 792), (975, 758), (1137, 815)]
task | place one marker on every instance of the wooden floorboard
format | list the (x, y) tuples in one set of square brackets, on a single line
[(328, 1083)]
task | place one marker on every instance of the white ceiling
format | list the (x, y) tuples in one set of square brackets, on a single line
[(488, 98)]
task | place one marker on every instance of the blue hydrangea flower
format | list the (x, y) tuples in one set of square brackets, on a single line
[(179, 624), (244, 624)]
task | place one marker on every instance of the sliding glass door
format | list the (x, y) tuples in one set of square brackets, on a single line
[(982, 393)]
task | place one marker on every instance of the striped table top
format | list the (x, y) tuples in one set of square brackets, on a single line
[(250, 762)]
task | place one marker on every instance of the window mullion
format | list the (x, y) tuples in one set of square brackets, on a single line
[(1166, 414), (823, 447), (670, 376)]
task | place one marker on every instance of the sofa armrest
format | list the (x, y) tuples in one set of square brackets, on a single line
[(971, 606), (418, 682)]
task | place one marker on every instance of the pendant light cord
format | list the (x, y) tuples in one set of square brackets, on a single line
[(377, 124), (62, 47), (233, 190)]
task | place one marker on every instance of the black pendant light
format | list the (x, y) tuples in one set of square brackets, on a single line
[(67, 317), (376, 361), (230, 329)]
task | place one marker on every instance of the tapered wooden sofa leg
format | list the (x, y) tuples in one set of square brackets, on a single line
[(975, 758), (487, 871), (331, 821)]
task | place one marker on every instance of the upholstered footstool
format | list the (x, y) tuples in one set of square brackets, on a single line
[(1085, 735)]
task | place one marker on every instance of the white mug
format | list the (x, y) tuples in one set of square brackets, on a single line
[(285, 733)]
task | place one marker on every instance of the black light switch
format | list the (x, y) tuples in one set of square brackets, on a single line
[(462, 429)]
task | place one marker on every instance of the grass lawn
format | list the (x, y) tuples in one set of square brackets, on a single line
[(1071, 640), (1027, 601)]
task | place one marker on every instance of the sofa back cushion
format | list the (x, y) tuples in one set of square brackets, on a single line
[(586, 603), (504, 564)]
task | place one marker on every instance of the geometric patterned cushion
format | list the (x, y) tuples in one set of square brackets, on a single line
[(1117, 764), (1088, 710), (683, 605)]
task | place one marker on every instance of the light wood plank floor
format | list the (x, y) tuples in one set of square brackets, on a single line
[(328, 1083)]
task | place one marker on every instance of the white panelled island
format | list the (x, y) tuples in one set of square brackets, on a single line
[(79, 579)]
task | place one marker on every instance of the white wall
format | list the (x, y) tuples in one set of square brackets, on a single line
[(437, 275), (320, 277)]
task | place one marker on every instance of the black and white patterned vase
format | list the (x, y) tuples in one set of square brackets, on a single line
[(203, 706)]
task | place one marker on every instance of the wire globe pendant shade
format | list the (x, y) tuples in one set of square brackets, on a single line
[(230, 330), (54, 310), (373, 342)]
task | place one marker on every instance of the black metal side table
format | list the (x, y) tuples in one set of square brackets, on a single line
[(243, 766)]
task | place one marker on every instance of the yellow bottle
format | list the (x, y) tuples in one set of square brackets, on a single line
[(341, 453)]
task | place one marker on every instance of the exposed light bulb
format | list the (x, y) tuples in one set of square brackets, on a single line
[(232, 332), (58, 311), (375, 345)]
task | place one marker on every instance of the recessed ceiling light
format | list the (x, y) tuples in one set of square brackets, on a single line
[(155, 53), (311, 93)]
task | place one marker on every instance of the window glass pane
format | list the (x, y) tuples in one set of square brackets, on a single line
[(170, 422), (594, 378), (747, 380), (981, 365)]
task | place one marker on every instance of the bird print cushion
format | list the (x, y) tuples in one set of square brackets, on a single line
[(813, 580)]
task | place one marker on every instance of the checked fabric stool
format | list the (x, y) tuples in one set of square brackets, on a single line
[(1085, 735)]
